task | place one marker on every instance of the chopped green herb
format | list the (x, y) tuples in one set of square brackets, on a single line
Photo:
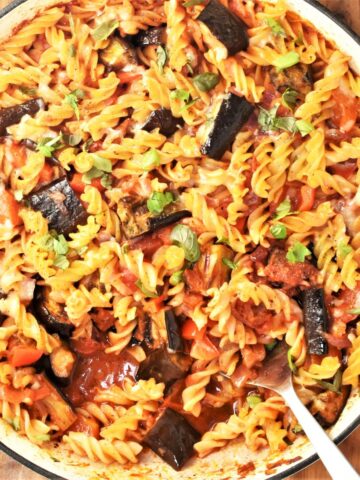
[(189, 104), (253, 400), (43, 437), (270, 346), (191, 3), (328, 386), (158, 201), (102, 163), (71, 140), (61, 262), (286, 123), (106, 181), (176, 278), (72, 99), (297, 253), (72, 50), (18, 194), (278, 231), (145, 291), (60, 245), (150, 159), (229, 263), (180, 94), (275, 26), (283, 209), (57, 244), (47, 146), (184, 237), (289, 98), (297, 429), (291, 363), (161, 56), (286, 61), (206, 81), (304, 127), (267, 119), (31, 92), (91, 174), (104, 30), (343, 250), (354, 311)]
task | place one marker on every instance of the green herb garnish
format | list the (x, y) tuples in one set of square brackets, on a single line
[(145, 291), (161, 56), (229, 263), (150, 159), (297, 253), (270, 346), (283, 209), (297, 429), (102, 163), (253, 400), (278, 231), (291, 363), (71, 140), (176, 278), (184, 237), (303, 127), (72, 99), (354, 311), (289, 98), (30, 91), (158, 201), (180, 94), (286, 61), (104, 30), (206, 81), (275, 26), (343, 250), (106, 181), (91, 174), (47, 146), (335, 386)]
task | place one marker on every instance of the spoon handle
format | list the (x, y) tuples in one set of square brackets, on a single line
[(334, 461)]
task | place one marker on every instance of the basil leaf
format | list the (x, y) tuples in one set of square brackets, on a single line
[(47, 146), (161, 57), (145, 291), (60, 245), (229, 263), (304, 127), (61, 262), (158, 201), (189, 104), (106, 181), (253, 400), (150, 159), (266, 118), (289, 98), (71, 140), (343, 250), (206, 81), (275, 26), (192, 3), (72, 100), (286, 61), (270, 346), (91, 174), (286, 123), (328, 386), (291, 363), (31, 92), (176, 278), (104, 30), (180, 94), (297, 253), (278, 231), (283, 209), (184, 237), (102, 163), (297, 429), (354, 311)]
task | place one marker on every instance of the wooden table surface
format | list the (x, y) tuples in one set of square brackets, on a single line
[(349, 11)]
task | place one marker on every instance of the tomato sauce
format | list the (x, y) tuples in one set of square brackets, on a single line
[(99, 370)]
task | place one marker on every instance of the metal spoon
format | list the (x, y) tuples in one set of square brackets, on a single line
[(276, 374)]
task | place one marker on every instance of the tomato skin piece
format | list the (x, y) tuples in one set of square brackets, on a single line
[(127, 77), (307, 198), (78, 185), (344, 110), (21, 355), (129, 279), (204, 349), (189, 331), (9, 209), (12, 395), (46, 174)]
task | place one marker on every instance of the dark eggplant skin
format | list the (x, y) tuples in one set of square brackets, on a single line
[(316, 320), (60, 411), (327, 406), (172, 438), (163, 119), (227, 27), (12, 115), (151, 36), (59, 204), (143, 332), (119, 54), (164, 220), (51, 314), (164, 366), (298, 77), (233, 114), (2, 316), (175, 341)]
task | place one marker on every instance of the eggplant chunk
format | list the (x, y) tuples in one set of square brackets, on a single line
[(315, 320), (164, 366), (59, 409), (175, 341), (327, 406), (172, 438), (119, 54), (213, 271), (12, 115), (143, 332), (136, 219), (2, 316), (297, 77), (164, 120), (58, 203), (51, 314), (62, 362), (233, 114), (227, 27), (151, 36)]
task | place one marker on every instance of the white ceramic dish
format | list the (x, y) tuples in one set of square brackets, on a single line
[(230, 463)]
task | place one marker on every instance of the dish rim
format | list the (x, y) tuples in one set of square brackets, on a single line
[(306, 462)]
